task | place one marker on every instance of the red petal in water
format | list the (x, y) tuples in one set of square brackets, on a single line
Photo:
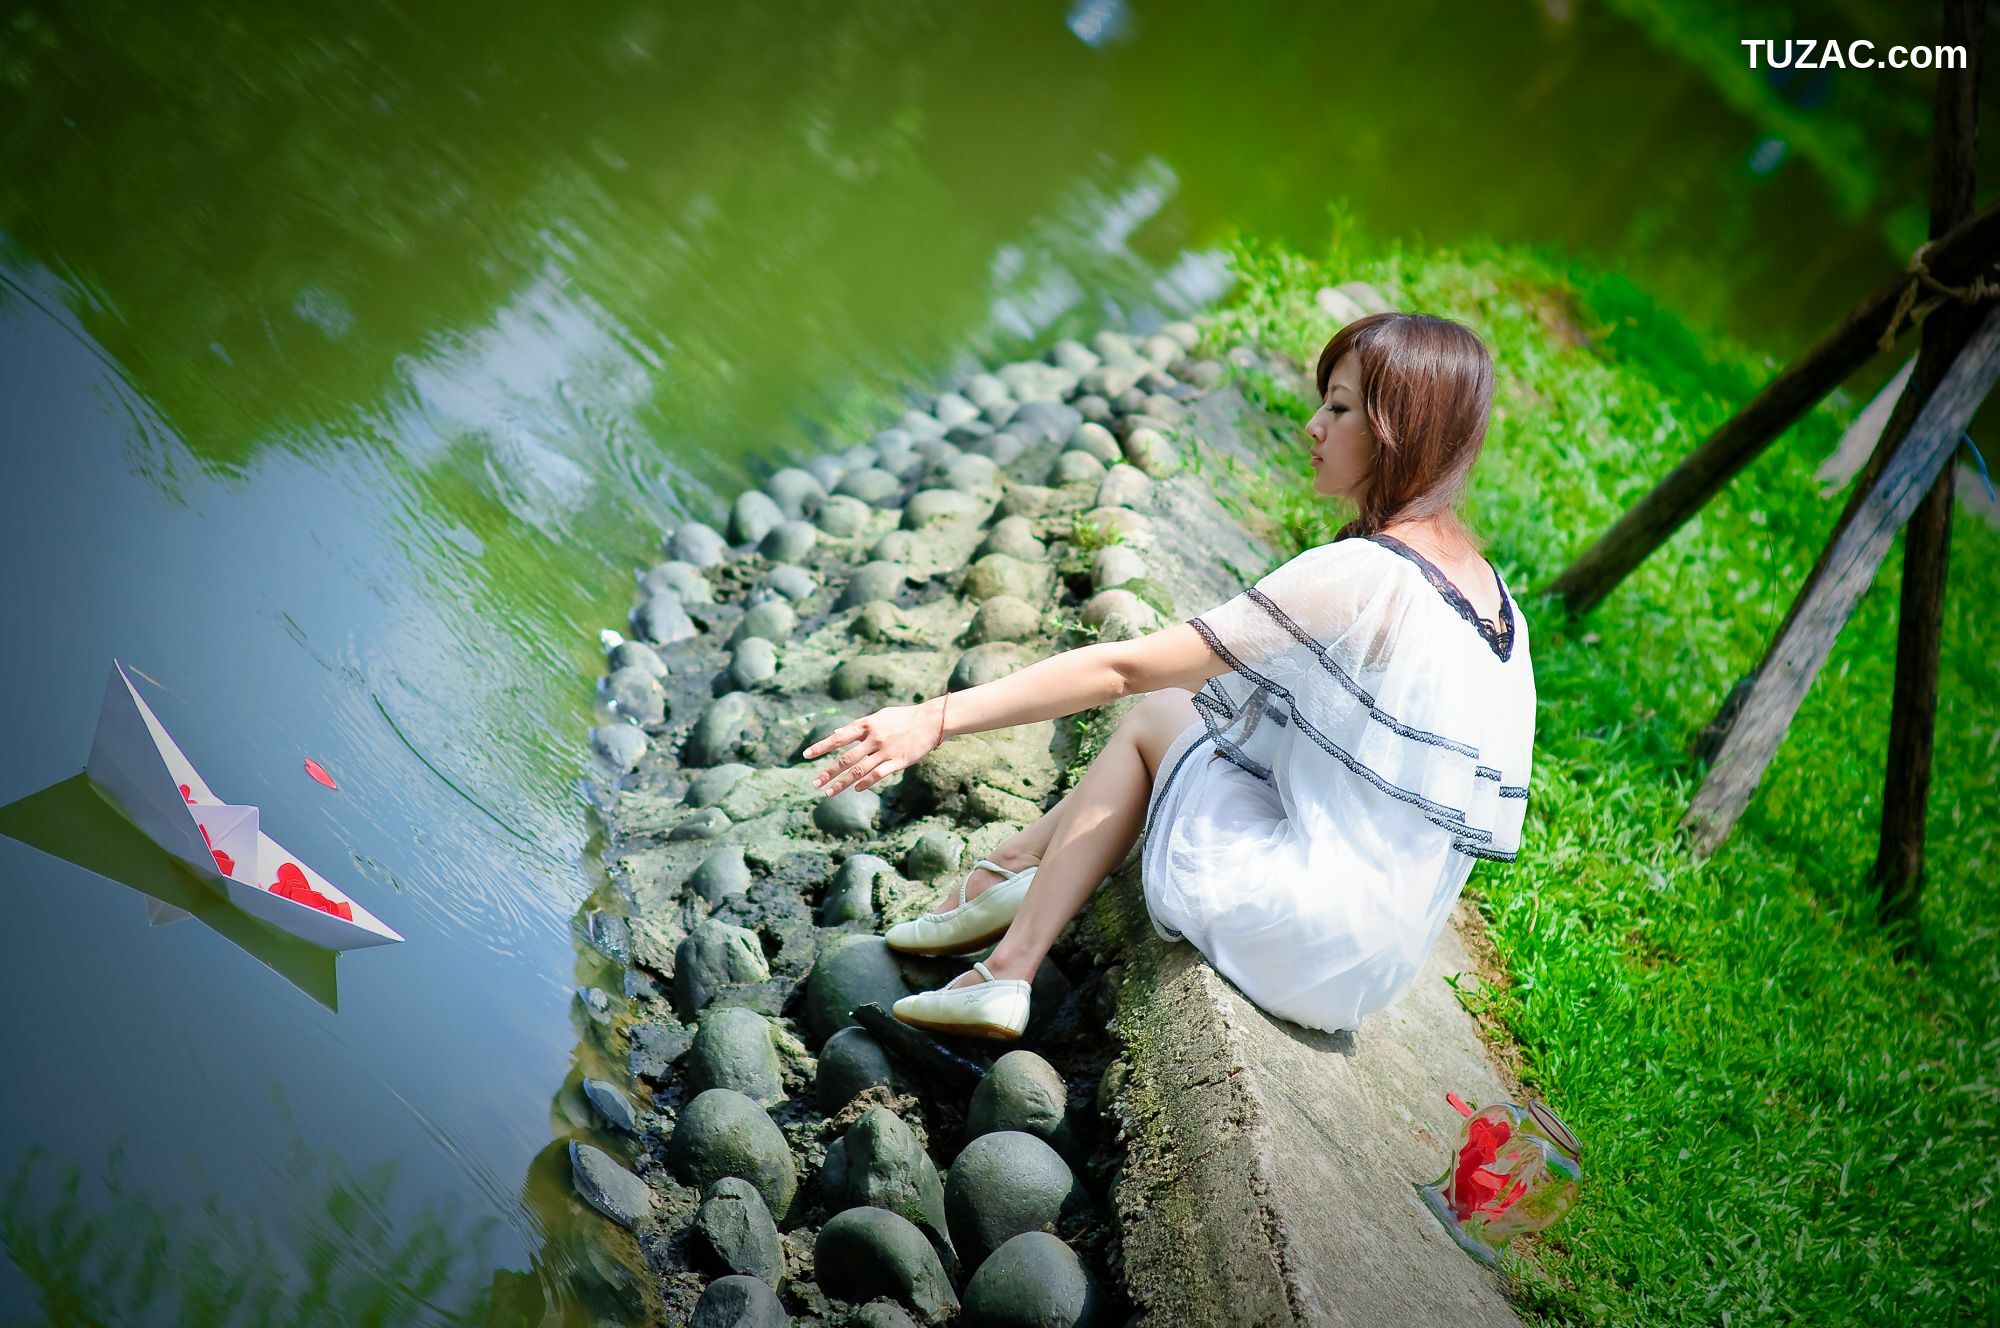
[(318, 771)]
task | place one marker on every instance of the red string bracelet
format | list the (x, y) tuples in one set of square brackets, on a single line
[(944, 700)]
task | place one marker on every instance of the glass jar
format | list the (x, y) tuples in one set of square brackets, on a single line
[(1517, 1168)]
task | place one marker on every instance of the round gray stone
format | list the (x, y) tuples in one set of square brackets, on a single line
[(790, 542), (1120, 520), (733, 1231), (850, 896), (1005, 618), (1106, 604), (871, 484), (791, 581), (622, 746), (984, 390), (611, 1105), (929, 505), (872, 580), (882, 1164), (1003, 1184), (661, 619), (1051, 421), (726, 727), (976, 475), (1148, 450), (919, 425), (681, 579), (827, 469), (985, 663), (637, 695), (850, 1063), (751, 662), (1096, 440), (902, 462), (935, 853), (694, 542), (713, 784), (723, 1133), (1072, 355), (895, 546), (1015, 537), (722, 873), (879, 620), (706, 823), (752, 516), (1034, 1280), (864, 1252), (1003, 448), (952, 410), (1114, 565), (637, 655), (714, 955), (850, 969), (851, 812), (1077, 468), (797, 493), (607, 1186), (843, 516), (732, 1049), (1093, 408), (737, 1301), (1023, 1092), (998, 574), (774, 620)]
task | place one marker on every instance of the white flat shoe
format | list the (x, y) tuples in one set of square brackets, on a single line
[(972, 925), (995, 1008)]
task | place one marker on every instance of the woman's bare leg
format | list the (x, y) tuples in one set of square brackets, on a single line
[(1082, 838)]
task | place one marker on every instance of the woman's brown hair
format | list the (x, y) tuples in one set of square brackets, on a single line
[(1427, 391)]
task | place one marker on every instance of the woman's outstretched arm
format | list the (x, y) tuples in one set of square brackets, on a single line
[(896, 737)]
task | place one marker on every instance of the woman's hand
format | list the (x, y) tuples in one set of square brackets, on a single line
[(889, 740)]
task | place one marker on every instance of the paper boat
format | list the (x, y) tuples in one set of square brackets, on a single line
[(142, 772)]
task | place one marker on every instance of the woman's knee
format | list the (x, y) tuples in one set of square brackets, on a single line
[(1156, 721)]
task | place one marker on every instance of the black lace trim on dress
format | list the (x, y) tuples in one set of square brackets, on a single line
[(1449, 818), (1348, 683), (1501, 638)]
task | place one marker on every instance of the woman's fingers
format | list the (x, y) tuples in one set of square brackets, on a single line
[(840, 736)]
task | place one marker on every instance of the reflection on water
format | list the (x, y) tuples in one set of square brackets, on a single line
[(352, 357)]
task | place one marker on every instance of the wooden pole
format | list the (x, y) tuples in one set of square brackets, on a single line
[(1899, 859), (1968, 248), (1849, 563)]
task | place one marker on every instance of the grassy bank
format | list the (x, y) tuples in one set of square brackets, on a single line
[(1784, 1122)]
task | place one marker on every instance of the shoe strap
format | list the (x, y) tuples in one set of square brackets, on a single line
[(966, 880), (979, 967)]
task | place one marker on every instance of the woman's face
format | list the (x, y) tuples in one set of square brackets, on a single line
[(1343, 451)]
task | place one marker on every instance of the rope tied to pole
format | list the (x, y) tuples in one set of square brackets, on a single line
[(1909, 311)]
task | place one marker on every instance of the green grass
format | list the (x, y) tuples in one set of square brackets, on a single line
[(1784, 1122)]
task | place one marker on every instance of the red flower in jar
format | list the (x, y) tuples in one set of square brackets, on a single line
[(1472, 1185)]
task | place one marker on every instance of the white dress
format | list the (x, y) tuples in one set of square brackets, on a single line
[(1370, 742)]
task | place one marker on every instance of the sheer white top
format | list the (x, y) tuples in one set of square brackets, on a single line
[(1370, 742)]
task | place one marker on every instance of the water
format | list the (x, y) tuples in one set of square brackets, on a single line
[(353, 357)]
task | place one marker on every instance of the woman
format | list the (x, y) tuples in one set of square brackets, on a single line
[(1320, 760)]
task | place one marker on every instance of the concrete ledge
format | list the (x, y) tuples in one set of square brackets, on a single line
[(1270, 1169)]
